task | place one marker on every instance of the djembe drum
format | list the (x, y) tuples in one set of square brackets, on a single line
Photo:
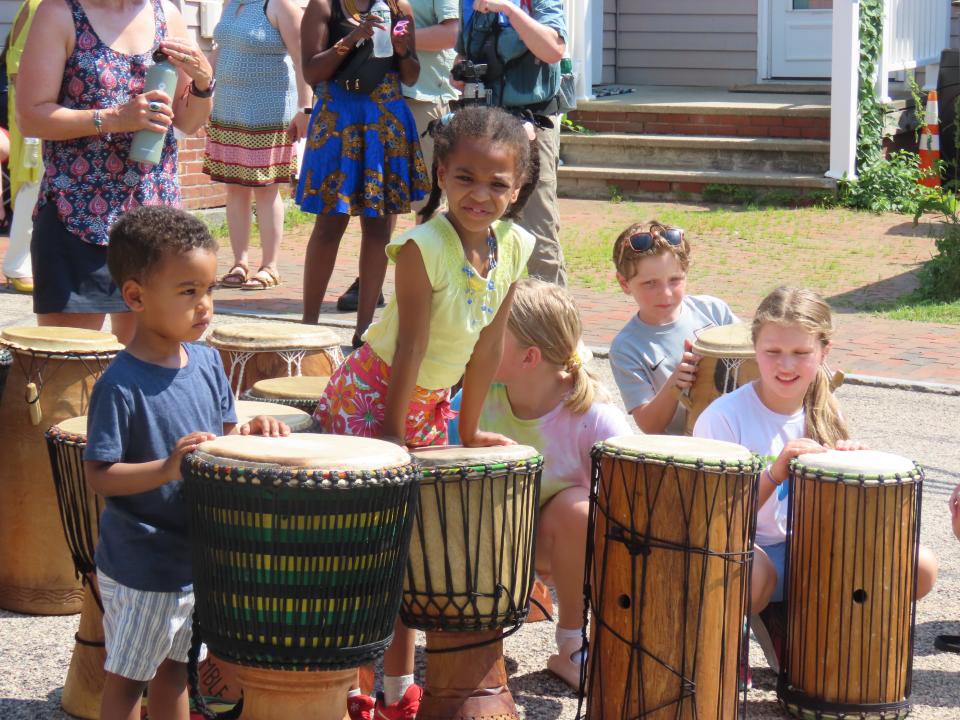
[(80, 510), (297, 420), (299, 545), (49, 382), (853, 537), (470, 572), (669, 554), (257, 351), (6, 360), (300, 391)]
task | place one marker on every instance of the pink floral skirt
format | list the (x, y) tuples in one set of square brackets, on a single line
[(355, 401)]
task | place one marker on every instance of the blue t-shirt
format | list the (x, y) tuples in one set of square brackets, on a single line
[(138, 411)]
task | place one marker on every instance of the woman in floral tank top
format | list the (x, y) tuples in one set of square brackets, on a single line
[(81, 91)]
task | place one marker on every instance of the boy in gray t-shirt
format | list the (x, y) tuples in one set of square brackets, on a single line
[(652, 354)]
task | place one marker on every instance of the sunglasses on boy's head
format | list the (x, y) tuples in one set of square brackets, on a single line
[(643, 241)]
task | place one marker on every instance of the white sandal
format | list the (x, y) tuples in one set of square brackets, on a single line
[(563, 664)]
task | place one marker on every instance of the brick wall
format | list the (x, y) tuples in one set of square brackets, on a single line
[(199, 191), (700, 124)]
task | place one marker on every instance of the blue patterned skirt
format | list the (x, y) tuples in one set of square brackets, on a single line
[(363, 153)]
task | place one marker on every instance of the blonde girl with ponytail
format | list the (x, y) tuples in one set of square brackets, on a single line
[(789, 411), (544, 396)]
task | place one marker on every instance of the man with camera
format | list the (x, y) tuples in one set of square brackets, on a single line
[(521, 43)]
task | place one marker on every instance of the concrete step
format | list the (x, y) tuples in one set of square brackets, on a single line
[(625, 150), (600, 182)]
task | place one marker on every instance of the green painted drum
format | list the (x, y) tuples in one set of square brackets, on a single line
[(299, 546), (471, 554), (853, 533)]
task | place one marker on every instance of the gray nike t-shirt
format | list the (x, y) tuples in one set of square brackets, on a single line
[(643, 357)]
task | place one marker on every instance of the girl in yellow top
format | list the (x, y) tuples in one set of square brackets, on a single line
[(25, 165), (454, 285)]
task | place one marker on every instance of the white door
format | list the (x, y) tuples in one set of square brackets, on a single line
[(800, 38)]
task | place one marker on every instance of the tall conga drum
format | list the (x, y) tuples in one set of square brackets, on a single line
[(50, 381), (853, 534), (299, 391), (257, 351), (80, 510), (470, 573), (297, 420), (669, 554), (727, 362), (299, 546)]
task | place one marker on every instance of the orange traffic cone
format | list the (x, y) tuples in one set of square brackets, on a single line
[(930, 143)]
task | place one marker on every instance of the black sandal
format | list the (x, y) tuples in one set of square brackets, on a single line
[(947, 643)]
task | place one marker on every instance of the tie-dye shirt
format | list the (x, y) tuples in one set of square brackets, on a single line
[(562, 437)]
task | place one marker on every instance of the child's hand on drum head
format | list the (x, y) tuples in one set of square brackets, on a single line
[(186, 444), (850, 445), (487, 439), (801, 446), (954, 504), (264, 425), (686, 372)]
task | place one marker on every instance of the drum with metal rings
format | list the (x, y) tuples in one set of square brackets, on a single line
[(853, 535), (257, 351), (299, 547), (470, 572), (669, 554), (300, 391), (50, 381)]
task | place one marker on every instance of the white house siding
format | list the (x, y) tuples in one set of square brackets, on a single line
[(686, 42), (609, 41), (955, 27)]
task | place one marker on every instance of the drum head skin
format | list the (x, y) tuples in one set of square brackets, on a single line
[(73, 426), (679, 449), (459, 456), (854, 465), (65, 340), (322, 453), (256, 337), (298, 387), (726, 341), (297, 420)]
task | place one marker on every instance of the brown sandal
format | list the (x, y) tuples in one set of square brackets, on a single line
[(236, 278), (264, 279)]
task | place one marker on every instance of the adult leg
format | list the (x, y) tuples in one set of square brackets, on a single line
[(239, 198), (541, 214), (270, 221), (121, 698), (86, 321), (374, 236), (423, 113), (320, 258), (16, 263), (168, 692)]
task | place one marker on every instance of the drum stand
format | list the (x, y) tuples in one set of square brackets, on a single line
[(468, 684), (292, 695)]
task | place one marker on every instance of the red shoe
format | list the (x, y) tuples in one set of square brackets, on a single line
[(360, 707), (405, 708)]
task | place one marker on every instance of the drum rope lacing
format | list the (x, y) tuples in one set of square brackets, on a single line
[(898, 491), (450, 599), (655, 471)]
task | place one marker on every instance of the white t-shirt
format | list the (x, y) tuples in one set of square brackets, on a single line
[(742, 418)]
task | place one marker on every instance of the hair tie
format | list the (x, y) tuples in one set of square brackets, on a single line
[(574, 363)]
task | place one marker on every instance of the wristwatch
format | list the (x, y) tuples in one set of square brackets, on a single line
[(196, 92)]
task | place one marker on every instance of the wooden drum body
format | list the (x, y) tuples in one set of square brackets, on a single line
[(670, 548), (470, 572), (299, 545), (50, 381), (299, 391), (853, 534), (727, 362), (257, 351)]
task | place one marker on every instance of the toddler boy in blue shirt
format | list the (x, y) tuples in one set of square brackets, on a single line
[(159, 399)]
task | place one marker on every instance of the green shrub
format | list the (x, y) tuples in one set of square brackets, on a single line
[(889, 185)]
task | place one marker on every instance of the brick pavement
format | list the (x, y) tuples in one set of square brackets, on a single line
[(865, 344)]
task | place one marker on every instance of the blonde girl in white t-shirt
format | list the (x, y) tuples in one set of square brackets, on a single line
[(788, 411)]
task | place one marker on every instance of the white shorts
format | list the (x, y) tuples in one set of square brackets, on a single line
[(143, 628)]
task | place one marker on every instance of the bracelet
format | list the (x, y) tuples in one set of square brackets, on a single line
[(98, 122), (203, 94), (341, 47), (771, 477), (308, 111)]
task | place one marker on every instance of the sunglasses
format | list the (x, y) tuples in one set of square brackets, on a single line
[(642, 241)]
